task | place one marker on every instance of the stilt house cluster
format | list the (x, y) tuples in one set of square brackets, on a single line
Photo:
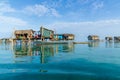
[(108, 38), (42, 34)]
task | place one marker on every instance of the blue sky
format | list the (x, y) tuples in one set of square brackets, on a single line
[(80, 17)]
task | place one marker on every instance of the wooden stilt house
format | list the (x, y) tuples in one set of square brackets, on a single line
[(93, 37), (117, 38), (58, 37), (46, 34), (68, 36), (108, 38), (63, 37), (24, 34)]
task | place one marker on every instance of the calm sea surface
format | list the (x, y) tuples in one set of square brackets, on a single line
[(94, 61)]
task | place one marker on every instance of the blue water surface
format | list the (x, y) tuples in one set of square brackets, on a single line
[(93, 61)]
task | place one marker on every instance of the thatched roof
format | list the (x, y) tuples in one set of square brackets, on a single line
[(117, 37), (23, 31), (68, 34), (108, 38), (93, 36)]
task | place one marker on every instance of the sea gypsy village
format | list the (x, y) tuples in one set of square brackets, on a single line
[(45, 42), (48, 36), (43, 35), (44, 52)]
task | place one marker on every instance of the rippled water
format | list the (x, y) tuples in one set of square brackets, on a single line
[(94, 61)]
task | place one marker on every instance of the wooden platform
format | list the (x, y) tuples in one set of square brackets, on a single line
[(52, 42), (59, 42), (80, 42)]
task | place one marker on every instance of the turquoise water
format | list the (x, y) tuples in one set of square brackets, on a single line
[(94, 61)]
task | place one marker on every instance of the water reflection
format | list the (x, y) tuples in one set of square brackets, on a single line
[(5, 45), (93, 44), (30, 53), (116, 44), (21, 50), (109, 44), (40, 53)]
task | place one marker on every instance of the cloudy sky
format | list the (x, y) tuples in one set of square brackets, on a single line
[(80, 17)]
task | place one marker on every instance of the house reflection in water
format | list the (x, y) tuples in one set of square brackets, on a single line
[(22, 53), (116, 44), (93, 44), (41, 53), (109, 44)]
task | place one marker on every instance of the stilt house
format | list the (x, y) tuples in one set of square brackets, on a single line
[(108, 38), (24, 34), (117, 38), (93, 37), (46, 34)]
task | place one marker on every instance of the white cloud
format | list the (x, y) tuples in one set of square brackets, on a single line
[(87, 23), (83, 29), (12, 21), (40, 10), (54, 12), (5, 7), (97, 5), (7, 24), (37, 9)]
